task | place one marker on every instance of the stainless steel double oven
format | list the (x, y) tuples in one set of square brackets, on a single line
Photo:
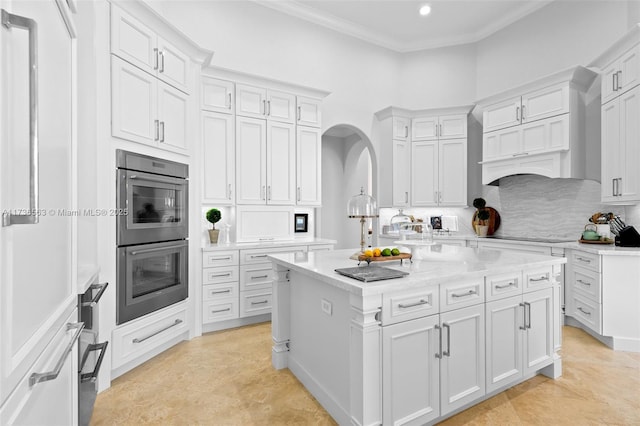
[(152, 231)]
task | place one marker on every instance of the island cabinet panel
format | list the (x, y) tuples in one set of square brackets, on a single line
[(504, 342), (539, 329)]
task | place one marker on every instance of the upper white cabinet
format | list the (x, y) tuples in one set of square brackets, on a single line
[(145, 109), (309, 112), (218, 153), (308, 166), (620, 67), (217, 95), (439, 127), (537, 128), (395, 157), (138, 44), (401, 128), (258, 102)]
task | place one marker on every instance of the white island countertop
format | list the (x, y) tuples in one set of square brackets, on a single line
[(440, 263), (267, 244)]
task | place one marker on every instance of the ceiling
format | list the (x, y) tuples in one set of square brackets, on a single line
[(397, 25)]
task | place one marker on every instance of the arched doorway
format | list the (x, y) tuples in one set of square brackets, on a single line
[(348, 163)]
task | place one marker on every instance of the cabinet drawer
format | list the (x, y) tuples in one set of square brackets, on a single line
[(503, 285), (258, 276), (585, 260), (219, 258), (220, 310), (253, 256), (406, 306), (587, 312), (139, 337), (219, 291), (320, 247), (585, 282), (219, 275), (460, 294), (255, 302), (535, 279)]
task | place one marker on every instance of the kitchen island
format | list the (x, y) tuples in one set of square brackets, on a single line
[(463, 325)]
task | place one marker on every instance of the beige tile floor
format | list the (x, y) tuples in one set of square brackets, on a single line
[(226, 378)]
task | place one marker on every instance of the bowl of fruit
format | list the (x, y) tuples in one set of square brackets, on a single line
[(383, 254)]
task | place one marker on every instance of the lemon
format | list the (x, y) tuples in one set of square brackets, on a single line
[(376, 252), (368, 253)]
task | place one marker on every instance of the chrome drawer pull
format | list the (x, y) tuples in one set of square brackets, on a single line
[(584, 282), (221, 258), (439, 353), (221, 291), (469, 293), (228, 274), (582, 259), (36, 378), (542, 278), (220, 310), (262, 302), (257, 256), (176, 322), (96, 298), (91, 377), (448, 351), (500, 287), (524, 319), (411, 305), (260, 277), (584, 312)]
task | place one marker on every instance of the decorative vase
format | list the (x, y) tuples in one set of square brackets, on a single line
[(213, 235), (482, 230)]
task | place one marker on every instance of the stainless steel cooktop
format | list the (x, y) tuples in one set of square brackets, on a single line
[(547, 240)]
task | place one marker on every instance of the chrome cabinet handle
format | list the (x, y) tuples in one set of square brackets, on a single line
[(30, 217), (614, 76), (583, 311), (162, 131), (510, 284), (176, 322), (155, 56), (522, 113), (152, 250), (406, 131), (221, 291), (298, 193), (618, 74), (520, 154), (542, 278), (524, 317), (613, 187), (264, 239), (411, 305), (406, 197), (217, 311), (264, 107), (440, 132), (221, 258), (228, 274), (469, 293), (229, 107), (448, 351), (582, 259), (262, 302), (527, 307), (439, 353), (584, 282), (88, 377), (517, 113), (161, 61), (259, 277), (157, 125), (229, 191), (257, 256), (268, 107), (36, 378), (618, 181), (263, 195), (268, 192), (299, 113), (101, 288)]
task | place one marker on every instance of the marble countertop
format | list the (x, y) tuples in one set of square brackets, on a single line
[(440, 263), (266, 244)]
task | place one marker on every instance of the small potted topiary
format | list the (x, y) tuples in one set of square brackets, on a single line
[(213, 216)]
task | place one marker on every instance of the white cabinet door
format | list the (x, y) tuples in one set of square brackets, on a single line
[(543, 103), (452, 181), (133, 41), (401, 128), (452, 126), (172, 115), (401, 172), (462, 368), (35, 258), (424, 173), (621, 75), (611, 148), (251, 160), (217, 95), (251, 101), (133, 103), (538, 340), (424, 128), (629, 181), (410, 372), (308, 166), (501, 115), (501, 143), (281, 106), (281, 163), (309, 112), (504, 342), (173, 65), (218, 158), (547, 135)]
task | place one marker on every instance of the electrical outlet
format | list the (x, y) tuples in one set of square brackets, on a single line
[(326, 306)]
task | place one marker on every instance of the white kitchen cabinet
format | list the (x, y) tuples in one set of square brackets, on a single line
[(621, 74), (620, 150), (251, 222), (439, 127), (309, 111), (394, 175), (401, 177), (220, 286), (146, 110), (259, 102), (308, 166), (217, 95), (439, 173), (139, 45), (218, 158), (538, 339), (401, 128), (38, 293), (265, 162)]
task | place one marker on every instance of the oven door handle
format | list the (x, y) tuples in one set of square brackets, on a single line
[(153, 250), (101, 288), (86, 377), (157, 179)]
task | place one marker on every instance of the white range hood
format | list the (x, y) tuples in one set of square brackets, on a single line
[(537, 128)]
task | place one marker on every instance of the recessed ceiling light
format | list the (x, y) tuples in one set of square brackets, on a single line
[(425, 10)]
